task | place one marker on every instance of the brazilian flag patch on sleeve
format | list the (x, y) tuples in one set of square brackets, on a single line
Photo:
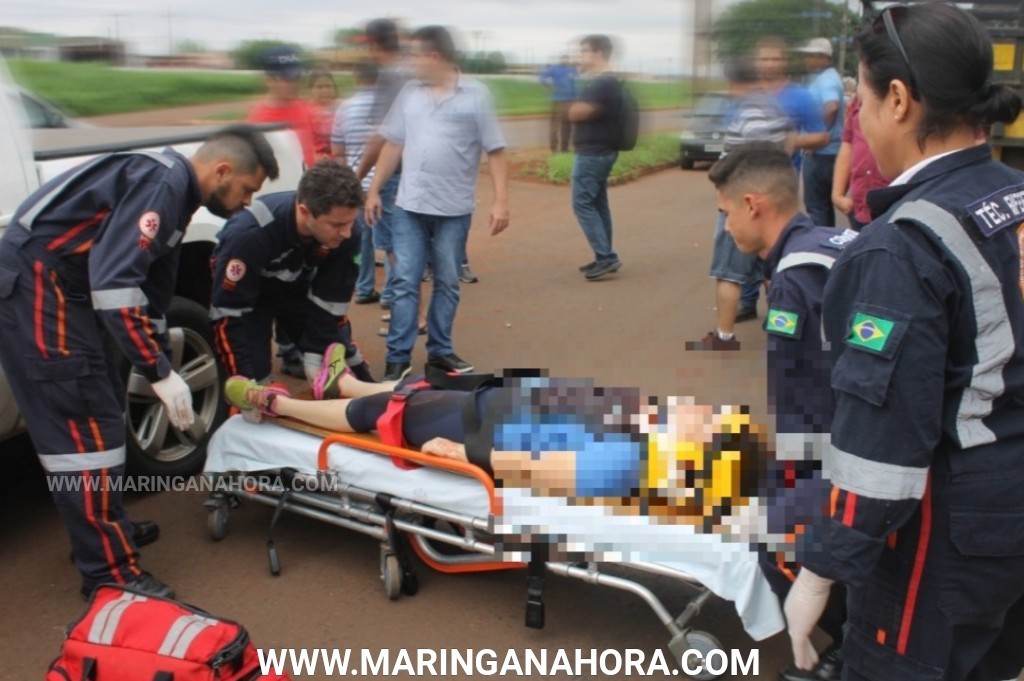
[(877, 334), (784, 323)]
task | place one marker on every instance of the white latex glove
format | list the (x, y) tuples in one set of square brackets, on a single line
[(804, 605), (312, 363), (177, 399)]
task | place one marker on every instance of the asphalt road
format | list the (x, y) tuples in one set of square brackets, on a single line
[(531, 308), (520, 132)]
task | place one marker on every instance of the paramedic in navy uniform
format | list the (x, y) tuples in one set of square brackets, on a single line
[(925, 317), (758, 194), (292, 257), (88, 265)]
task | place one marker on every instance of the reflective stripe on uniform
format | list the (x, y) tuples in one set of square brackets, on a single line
[(182, 633), (336, 309), (82, 461), (104, 626), (175, 238), (802, 258), (801, 446), (260, 211), (30, 215), (283, 275), (222, 312), (994, 343), (116, 298), (877, 480)]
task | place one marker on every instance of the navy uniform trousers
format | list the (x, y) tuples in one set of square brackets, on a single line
[(55, 356)]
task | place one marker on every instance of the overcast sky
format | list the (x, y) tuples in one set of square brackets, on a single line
[(655, 33)]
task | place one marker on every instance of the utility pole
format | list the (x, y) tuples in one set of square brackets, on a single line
[(702, 49), (843, 32), (117, 40), (170, 35)]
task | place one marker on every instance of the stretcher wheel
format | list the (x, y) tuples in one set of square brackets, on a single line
[(391, 573), (217, 522), (699, 641)]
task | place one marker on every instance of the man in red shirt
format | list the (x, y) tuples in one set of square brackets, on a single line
[(283, 67)]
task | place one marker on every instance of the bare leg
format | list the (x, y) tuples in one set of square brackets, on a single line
[(727, 301), (327, 414), (352, 387)]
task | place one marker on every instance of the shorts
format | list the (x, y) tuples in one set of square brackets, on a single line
[(728, 263)]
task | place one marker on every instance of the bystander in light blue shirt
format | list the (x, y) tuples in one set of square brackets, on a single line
[(442, 141), (827, 87)]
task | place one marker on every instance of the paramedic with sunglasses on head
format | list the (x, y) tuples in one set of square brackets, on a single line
[(925, 316)]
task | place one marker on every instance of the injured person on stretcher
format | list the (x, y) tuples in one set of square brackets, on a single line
[(675, 462)]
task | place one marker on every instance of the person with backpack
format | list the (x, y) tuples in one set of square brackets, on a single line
[(605, 120)]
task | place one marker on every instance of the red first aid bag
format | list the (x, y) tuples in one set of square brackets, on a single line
[(129, 636)]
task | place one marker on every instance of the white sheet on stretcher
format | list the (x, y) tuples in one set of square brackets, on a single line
[(729, 569)]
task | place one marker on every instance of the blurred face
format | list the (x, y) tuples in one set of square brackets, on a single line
[(426, 65), (880, 129), (816, 62), (329, 229), (741, 220), (590, 59), (770, 63), (322, 91), (233, 191), (285, 89)]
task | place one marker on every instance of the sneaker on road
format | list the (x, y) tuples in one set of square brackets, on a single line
[(371, 297), (466, 275), (396, 371), (144, 583), (713, 341), (450, 364), (602, 268), (589, 266), (746, 314), (248, 395)]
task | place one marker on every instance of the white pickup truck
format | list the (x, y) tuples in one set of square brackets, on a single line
[(29, 158)]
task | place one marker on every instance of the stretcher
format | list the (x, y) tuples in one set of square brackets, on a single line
[(450, 516)]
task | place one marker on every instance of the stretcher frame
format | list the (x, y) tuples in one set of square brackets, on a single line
[(391, 521)]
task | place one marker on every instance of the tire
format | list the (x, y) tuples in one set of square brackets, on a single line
[(686, 163), (155, 448)]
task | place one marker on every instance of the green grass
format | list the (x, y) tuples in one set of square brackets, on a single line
[(515, 97), (652, 152), (96, 90)]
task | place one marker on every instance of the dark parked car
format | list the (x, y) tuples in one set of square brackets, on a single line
[(704, 130)]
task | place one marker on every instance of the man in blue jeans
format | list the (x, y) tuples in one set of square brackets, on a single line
[(438, 127), (596, 118), (827, 88)]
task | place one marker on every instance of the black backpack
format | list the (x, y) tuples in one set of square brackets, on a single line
[(628, 127)]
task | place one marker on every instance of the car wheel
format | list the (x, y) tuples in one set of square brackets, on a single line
[(154, 446), (686, 163)]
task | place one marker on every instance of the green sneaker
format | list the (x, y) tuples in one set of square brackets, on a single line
[(248, 395), (327, 385)]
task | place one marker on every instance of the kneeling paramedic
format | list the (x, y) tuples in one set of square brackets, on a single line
[(758, 194), (292, 257), (88, 266)]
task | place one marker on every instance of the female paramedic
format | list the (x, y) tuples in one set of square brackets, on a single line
[(925, 315), (559, 437)]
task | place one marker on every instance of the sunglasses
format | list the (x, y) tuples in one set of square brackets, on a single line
[(889, 21)]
